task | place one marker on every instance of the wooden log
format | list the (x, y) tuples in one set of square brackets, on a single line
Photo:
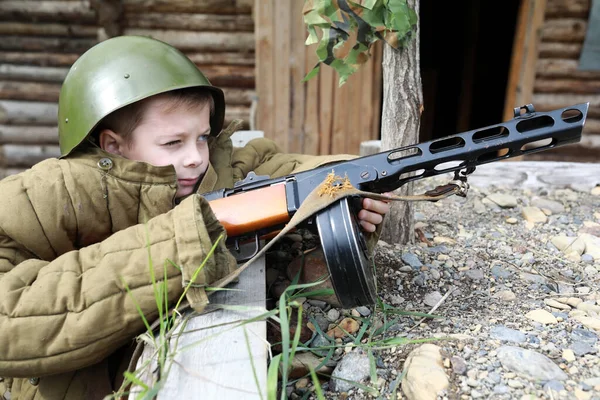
[(187, 6), (238, 76), (36, 91), (32, 91), (237, 112), (560, 50), (28, 113), (44, 114), (27, 10), (4, 172), (564, 30), (548, 102), (190, 22), (45, 44), (567, 9), (41, 59), (234, 96), (18, 155), (560, 68), (108, 17), (591, 127), (577, 86), (49, 29), (199, 41), (224, 58), (33, 73), (28, 134)]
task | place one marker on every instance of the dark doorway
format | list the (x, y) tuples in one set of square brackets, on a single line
[(465, 50)]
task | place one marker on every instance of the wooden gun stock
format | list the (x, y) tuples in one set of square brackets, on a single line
[(252, 211)]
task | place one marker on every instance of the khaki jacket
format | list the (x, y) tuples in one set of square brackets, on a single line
[(75, 233)]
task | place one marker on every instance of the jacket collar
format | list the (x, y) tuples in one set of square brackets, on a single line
[(125, 169), (138, 171)]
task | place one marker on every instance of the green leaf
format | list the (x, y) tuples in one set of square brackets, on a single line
[(354, 25), (368, 4)]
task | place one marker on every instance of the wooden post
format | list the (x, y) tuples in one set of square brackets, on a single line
[(519, 89), (402, 107)]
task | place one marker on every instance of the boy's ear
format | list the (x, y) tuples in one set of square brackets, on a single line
[(110, 141)]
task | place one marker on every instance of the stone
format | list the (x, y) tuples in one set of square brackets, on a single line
[(346, 326), (424, 375), (529, 363), (554, 206), (589, 308), (302, 363), (588, 322), (574, 301), (354, 367), (503, 200), (568, 244), (412, 260), (431, 299), (534, 215), (506, 295), (541, 316), (313, 268), (568, 355), (555, 304), (500, 332), (592, 245), (443, 240)]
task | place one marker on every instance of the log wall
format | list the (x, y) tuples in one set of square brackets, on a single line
[(40, 40), (559, 83)]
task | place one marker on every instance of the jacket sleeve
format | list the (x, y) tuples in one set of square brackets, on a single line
[(73, 311), (264, 157)]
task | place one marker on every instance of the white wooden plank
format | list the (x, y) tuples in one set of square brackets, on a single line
[(212, 359), (219, 364), (241, 138)]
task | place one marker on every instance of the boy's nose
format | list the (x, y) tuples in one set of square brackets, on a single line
[(193, 157)]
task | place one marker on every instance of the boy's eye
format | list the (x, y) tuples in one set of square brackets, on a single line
[(172, 143), (203, 138)]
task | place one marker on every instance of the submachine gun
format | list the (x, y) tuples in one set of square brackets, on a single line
[(258, 205)]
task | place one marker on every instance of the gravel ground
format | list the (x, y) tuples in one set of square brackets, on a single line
[(511, 275)]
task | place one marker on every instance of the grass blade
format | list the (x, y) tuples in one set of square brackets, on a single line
[(252, 363), (317, 384), (272, 377)]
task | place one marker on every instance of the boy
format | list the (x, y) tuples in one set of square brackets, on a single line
[(140, 136)]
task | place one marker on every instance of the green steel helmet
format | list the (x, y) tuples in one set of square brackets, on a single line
[(121, 71)]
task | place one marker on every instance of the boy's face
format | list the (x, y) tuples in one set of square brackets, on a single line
[(177, 137)]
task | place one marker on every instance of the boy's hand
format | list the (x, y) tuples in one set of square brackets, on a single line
[(372, 213)]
